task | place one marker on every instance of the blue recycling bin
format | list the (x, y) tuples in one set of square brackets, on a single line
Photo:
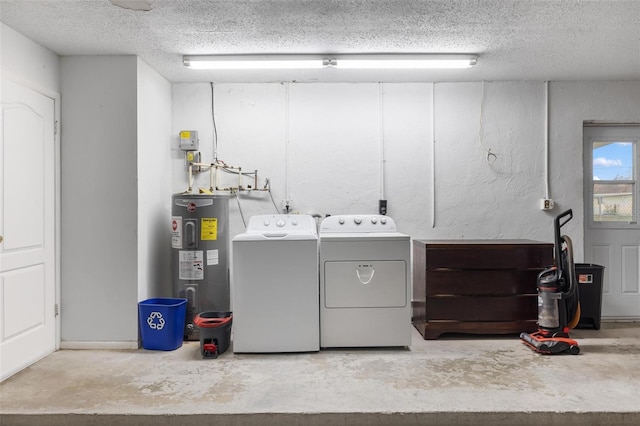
[(162, 323)]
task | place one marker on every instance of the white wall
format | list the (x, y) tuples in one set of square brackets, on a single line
[(27, 62), (116, 191), (99, 279), (154, 183), (259, 139), (479, 195), (321, 145)]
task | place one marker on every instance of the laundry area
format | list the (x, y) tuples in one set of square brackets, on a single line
[(284, 212)]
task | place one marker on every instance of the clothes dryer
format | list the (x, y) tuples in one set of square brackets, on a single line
[(364, 282), (274, 284)]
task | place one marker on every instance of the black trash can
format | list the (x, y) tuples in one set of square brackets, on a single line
[(589, 278), (215, 332)]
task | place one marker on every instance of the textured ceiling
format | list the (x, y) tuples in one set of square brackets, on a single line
[(515, 40)]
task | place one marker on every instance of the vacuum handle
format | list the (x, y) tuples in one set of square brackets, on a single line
[(561, 215)]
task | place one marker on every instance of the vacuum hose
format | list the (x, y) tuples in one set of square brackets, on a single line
[(573, 300)]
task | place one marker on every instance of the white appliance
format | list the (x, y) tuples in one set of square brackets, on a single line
[(275, 286), (364, 282)]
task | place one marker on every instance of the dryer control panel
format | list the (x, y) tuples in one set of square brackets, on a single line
[(281, 223), (358, 223)]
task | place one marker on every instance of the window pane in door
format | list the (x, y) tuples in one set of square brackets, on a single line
[(614, 181), (613, 202), (613, 161)]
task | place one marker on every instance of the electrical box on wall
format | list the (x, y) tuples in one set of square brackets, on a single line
[(189, 140), (382, 207), (546, 204), (192, 157), (287, 205)]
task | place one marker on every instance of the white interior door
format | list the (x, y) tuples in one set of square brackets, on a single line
[(612, 231), (27, 227)]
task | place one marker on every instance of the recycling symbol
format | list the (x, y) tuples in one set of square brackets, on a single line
[(155, 321)]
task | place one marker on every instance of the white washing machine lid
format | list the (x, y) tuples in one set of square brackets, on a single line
[(276, 227)]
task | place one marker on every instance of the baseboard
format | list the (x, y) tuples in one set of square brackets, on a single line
[(83, 345)]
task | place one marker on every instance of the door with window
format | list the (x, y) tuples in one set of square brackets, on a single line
[(612, 198)]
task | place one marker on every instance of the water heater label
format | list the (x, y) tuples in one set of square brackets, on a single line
[(209, 229), (212, 257), (191, 265), (176, 232)]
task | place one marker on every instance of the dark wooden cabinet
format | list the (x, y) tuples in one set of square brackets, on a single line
[(477, 286)]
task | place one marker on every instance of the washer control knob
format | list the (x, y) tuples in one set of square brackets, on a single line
[(280, 223), (266, 223), (374, 220), (383, 221), (357, 220), (294, 222), (341, 221)]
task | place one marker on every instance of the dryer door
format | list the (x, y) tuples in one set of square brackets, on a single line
[(365, 284)]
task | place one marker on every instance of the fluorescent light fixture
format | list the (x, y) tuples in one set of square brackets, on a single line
[(399, 61), (252, 62), (359, 61)]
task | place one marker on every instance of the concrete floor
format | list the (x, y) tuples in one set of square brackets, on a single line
[(461, 380)]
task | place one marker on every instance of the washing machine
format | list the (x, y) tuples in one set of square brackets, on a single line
[(275, 285), (364, 282)]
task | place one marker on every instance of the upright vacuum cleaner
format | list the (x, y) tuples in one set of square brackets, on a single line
[(558, 301)]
